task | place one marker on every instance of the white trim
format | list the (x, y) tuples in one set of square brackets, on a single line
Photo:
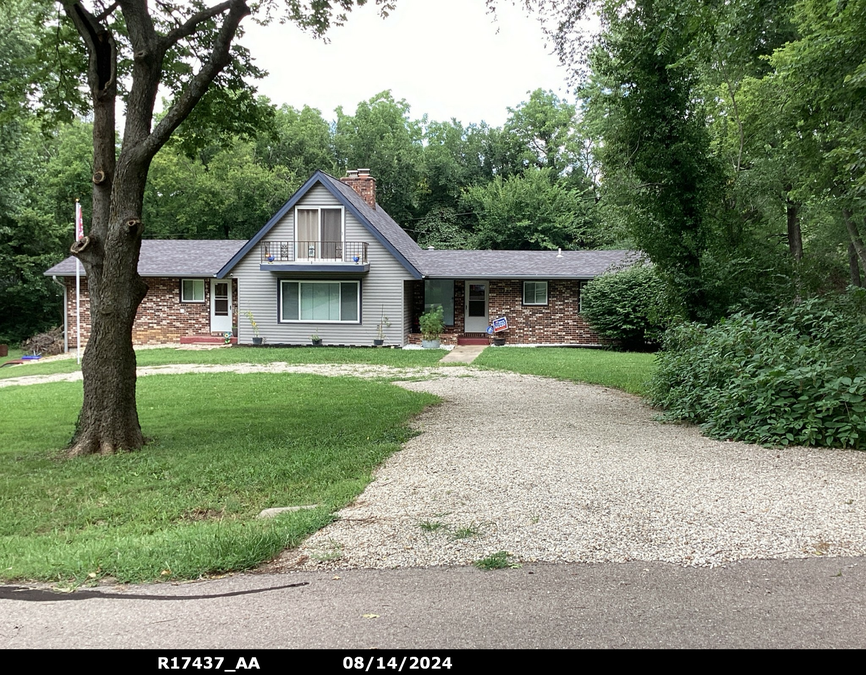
[(220, 323), (546, 294), (480, 324), (203, 293)]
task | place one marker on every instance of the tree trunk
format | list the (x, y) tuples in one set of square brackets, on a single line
[(856, 239), (795, 237), (108, 422), (854, 266)]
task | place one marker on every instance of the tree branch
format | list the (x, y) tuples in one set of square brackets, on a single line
[(100, 47), (189, 27), (199, 84), (146, 69), (102, 17), (102, 78)]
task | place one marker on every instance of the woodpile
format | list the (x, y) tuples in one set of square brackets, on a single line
[(46, 344)]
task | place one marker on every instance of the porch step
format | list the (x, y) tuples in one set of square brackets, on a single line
[(473, 339), (205, 340)]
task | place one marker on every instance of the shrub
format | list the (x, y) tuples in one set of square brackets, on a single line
[(626, 307), (796, 376), (432, 323)]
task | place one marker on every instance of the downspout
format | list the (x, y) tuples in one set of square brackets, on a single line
[(65, 315)]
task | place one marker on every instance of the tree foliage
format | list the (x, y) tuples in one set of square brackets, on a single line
[(627, 307), (792, 377), (530, 211)]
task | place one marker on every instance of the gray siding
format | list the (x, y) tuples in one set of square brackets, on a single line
[(407, 310), (381, 289)]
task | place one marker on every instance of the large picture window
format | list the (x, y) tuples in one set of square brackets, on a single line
[(534, 292), (192, 290), (440, 292), (320, 301)]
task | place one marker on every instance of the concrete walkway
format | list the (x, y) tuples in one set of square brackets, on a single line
[(463, 354)]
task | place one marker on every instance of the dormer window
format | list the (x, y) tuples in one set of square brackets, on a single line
[(319, 233)]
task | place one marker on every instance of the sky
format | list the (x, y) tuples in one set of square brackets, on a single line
[(446, 58)]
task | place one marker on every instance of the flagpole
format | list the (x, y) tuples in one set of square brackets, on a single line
[(79, 232)]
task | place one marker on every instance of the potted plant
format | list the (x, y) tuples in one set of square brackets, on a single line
[(257, 339), (432, 324), (316, 340), (380, 329)]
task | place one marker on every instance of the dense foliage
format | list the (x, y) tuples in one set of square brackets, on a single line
[(794, 376), (524, 185), (627, 306)]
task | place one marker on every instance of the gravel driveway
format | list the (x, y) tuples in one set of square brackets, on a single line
[(556, 471)]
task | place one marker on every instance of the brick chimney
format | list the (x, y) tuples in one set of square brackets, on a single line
[(363, 183)]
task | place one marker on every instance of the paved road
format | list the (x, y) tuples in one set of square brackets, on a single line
[(818, 602)]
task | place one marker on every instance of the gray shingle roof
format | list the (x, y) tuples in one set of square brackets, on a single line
[(172, 258), (521, 264)]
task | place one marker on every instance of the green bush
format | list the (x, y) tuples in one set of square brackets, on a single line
[(627, 307), (432, 323), (796, 376)]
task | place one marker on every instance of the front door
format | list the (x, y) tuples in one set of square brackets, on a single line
[(220, 306), (476, 307)]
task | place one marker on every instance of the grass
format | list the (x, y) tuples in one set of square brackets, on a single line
[(13, 353), (629, 371), (399, 358), (224, 446), (497, 561), (466, 532)]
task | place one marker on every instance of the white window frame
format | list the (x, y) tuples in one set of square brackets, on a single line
[(299, 254), (546, 294), (195, 282), (300, 282)]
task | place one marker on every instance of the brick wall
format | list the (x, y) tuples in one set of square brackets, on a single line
[(558, 322), (162, 318)]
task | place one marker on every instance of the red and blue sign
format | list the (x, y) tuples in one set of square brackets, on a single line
[(500, 324)]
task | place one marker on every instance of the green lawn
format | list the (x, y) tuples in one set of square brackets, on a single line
[(225, 446), (159, 357), (629, 371)]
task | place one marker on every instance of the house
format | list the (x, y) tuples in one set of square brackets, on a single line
[(332, 263), (183, 298)]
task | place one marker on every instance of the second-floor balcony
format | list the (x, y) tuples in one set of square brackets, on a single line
[(326, 256)]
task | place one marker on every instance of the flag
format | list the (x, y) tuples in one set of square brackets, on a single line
[(79, 222)]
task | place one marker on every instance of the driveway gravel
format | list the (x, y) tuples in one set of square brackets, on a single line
[(555, 471)]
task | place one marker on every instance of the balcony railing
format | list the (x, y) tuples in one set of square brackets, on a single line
[(276, 252)]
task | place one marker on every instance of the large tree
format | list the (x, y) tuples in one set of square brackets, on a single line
[(132, 49)]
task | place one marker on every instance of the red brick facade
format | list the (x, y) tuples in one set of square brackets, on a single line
[(162, 318), (557, 323)]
